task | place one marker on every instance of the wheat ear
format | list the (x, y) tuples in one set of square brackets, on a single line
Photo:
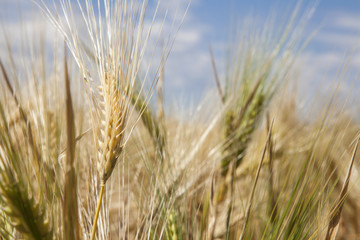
[(27, 215), (113, 127)]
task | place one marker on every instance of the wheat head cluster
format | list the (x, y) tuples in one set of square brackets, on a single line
[(85, 153)]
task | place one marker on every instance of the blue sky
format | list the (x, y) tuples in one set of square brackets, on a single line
[(211, 22), (188, 74)]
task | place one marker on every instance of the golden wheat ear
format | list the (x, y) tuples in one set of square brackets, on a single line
[(112, 126), (112, 133)]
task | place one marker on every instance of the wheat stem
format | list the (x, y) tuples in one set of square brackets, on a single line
[(93, 231), (247, 214)]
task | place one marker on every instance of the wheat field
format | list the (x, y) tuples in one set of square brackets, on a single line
[(87, 153)]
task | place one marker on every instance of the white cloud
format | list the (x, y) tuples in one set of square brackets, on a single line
[(331, 56), (340, 30), (187, 39), (338, 39), (347, 22)]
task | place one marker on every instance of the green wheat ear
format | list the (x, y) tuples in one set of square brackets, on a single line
[(240, 136), (172, 228), (26, 214), (153, 125)]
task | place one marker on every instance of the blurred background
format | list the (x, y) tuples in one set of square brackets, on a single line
[(331, 26)]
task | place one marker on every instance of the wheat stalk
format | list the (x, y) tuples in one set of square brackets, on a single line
[(70, 217), (248, 209), (335, 213)]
